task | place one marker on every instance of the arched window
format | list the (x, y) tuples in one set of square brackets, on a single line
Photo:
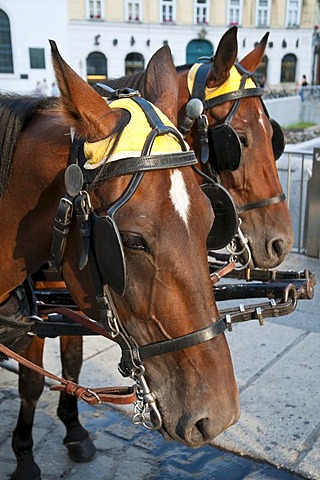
[(261, 73), (134, 63), (198, 48), (6, 61), (96, 67), (288, 68)]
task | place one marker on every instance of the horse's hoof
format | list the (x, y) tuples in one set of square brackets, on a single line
[(26, 472), (82, 450)]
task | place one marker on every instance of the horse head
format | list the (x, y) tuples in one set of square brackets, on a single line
[(149, 220), (243, 146)]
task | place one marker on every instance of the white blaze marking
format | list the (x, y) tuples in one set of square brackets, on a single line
[(179, 195), (261, 121)]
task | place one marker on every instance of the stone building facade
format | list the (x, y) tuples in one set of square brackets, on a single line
[(110, 38)]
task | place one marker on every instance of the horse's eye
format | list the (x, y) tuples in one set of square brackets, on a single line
[(243, 139), (134, 241)]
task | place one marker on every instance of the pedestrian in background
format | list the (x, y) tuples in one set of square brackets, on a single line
[(54, 90), (44, 88), (38, 90), (304, 84)]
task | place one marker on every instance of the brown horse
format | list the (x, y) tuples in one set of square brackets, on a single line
[(253, 182), (145, 217)]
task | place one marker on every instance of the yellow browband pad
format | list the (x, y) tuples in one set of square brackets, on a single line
[(132, 138), (232, 83)]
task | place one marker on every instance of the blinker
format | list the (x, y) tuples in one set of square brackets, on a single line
[(107, 243), (109, 254), (278, 142), (226, 219), (225, 149)]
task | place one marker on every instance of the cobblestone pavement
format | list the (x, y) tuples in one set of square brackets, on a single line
[(124, 450), (277, 369)]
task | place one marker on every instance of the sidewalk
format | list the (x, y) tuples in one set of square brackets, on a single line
[(278, 372)]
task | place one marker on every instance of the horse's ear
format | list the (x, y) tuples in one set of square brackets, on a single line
[(161, 83), (253, 59), (83, 108), (224, 58)]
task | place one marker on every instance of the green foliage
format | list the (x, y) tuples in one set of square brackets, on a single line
[(300, 125)]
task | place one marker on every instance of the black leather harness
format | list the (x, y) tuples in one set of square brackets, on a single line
[(223, 136), (114, 275)]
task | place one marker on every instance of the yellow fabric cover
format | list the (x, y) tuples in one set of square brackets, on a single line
[(230, 85), (132, 139)]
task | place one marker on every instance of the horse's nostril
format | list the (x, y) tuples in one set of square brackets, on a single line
[(200, 428), (277, 247), (196, 434), (200, 432)]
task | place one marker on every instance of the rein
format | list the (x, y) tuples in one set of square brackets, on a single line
[(93, 396)]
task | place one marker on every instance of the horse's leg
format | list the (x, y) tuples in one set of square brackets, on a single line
[(77, 440), (30, 388)]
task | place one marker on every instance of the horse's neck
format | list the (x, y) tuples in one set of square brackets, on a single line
[(28, 209)]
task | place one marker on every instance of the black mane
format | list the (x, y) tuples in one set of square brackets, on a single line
[(181, 68), (135, 81), (16, 111)]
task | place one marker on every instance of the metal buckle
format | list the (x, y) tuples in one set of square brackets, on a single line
[(128, 93), (94, 394)]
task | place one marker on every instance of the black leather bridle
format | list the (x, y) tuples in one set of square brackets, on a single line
[(236, 96), (77, 200)]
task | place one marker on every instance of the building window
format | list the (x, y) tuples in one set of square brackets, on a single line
[(37, 59), (288, 68), (235, 12), (263, 13), (201, 13), (95, 9), (293, 13), (96, 67), (168, 11), (134, 63), (134, 11), (6, 60)]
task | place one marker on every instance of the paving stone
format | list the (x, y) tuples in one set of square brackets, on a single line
[(280, 410), (253, 347), (310, 464)]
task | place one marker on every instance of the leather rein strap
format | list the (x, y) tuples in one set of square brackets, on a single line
[(93, 396), (157, 348)]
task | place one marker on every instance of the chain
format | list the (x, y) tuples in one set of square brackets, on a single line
[(239, 239), (146, 412)]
